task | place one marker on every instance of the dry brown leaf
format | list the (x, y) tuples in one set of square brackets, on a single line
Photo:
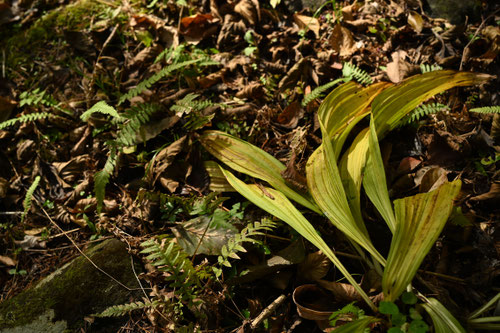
[(398, 69), (290, 117), (249, 9), (4, 187), (492, 196), (307, 23), (7, 261), (415, 21), (197, 27), (344, 292), (6, 107), (342, 41), (72, 169), (432, 179), (314, 267), (253, 90)]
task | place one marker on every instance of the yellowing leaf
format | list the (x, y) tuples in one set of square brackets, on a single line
[(420, 219), (416, 21), (325, 186), (275, 203), (395, 102), (251, 160)]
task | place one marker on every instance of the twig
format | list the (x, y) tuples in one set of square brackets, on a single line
[(267, 311), (466, 48)]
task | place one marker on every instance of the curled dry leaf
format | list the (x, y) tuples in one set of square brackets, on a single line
[(4, 187), (7, 261), (196, 27), (253, 90), (313, 302), (290, 117), (249, 9), (492, 196)]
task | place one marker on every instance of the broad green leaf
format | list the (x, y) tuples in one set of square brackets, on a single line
[(344, 107), (420, 219), (395, 102), (357, 325), (443, 320), (374, 180), (325, 186), (277, 204), (251, 160), (351, 172)]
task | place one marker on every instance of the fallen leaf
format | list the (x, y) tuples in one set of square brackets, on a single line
[(492, 196), (307, 23), (398, 67), (4, 187), (6, 107), (342, 41), (197, 27), (249, 9), (415, 21), (314, 267), (290, 117), (30, 242), (7, 261), (407, 165), (432, 179)]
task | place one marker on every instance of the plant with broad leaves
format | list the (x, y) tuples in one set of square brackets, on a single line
[(335, 179)]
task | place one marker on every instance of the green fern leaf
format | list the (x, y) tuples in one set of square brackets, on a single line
[(101, 178), (487, 109), (28, 197), (121, 310), (128, 133), (143, 85), (423, 110), (352, 71), (101, 107), (318, 91), (24, 118), (425, 68)]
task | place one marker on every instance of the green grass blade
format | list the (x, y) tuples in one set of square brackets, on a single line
[(277, 204), (356, 326), (253, 161), (420, 219)]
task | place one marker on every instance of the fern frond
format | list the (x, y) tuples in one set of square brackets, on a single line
[(123, 309), (28, 197), (143, 85), (101, 178), (234, 244), (423, 110), (24, 119), (137, 116), (36, 97), (487, 109), (189, 103), (354, 72), (318, 91), (425, 68), (101, 107)]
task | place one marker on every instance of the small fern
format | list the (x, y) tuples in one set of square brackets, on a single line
[(351, 71), (24, 119), (170, 258), (100, 107), (101, 178), (143, 85), (423, 110), (487, 109), (123, 309), (36, 97), (29, 196), (318, 91), (130, 129), (189, 104), (425, 68), (234, 245)]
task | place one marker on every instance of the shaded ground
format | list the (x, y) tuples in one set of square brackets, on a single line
[(243, 68)]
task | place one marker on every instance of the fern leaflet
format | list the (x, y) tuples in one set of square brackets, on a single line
[(25, 118), (352, 71), (101, 107), (425, 68), (28, 197), (101, 178), (123, 309), (318, 91), (423, 110), (137, 116), (487, 109), (36, 97), (143, 85)]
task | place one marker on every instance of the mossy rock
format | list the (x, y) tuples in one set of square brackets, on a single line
[(60, 302)]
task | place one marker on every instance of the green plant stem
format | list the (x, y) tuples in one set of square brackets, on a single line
[(485, 307)]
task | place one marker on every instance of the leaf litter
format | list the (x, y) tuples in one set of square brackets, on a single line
[(258, 61)]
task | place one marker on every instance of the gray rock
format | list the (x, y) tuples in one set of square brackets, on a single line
[(60, 302)]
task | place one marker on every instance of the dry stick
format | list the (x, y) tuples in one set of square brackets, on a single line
[(83, 254), (466, 48), (267, 311)]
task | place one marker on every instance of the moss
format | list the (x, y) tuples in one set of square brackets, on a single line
[(76, 290)]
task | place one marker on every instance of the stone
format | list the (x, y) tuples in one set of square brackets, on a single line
[(61, 301)]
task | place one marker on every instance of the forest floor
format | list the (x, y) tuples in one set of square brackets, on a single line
[(245, 68)]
